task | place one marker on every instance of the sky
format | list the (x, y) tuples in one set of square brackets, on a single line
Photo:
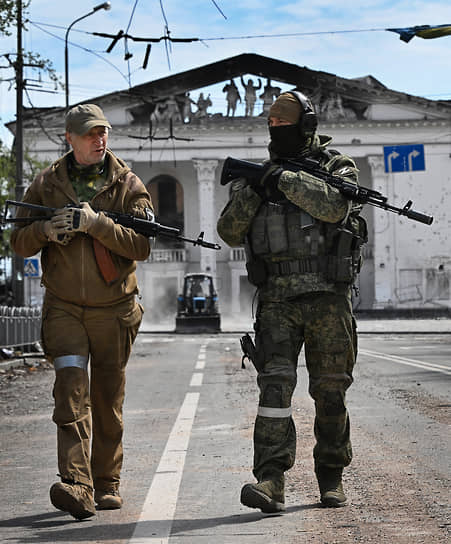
[(345, 38)]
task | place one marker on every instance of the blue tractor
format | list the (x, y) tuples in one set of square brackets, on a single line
[(197, 305)]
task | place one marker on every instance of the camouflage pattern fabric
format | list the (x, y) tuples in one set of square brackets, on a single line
[(321, 201), (297, 309), (87, 180), (237, 216), (324, 323)]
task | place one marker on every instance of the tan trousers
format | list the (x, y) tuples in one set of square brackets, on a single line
[(88, 410)]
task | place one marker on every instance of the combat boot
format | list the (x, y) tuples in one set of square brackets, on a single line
[(76, 499), (330, 486), (108, 499), (268, 494)]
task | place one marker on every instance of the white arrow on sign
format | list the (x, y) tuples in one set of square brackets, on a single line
[(393, 155), (410, 157)]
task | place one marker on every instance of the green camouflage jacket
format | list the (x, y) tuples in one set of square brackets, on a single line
[(314, 196)]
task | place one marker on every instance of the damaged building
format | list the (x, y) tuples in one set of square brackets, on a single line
[(175, 133)]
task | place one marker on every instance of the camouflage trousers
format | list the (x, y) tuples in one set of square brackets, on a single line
[(325, 324)]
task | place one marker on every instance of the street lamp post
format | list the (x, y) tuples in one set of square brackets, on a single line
[(105, 6)]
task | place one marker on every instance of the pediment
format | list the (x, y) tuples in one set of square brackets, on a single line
[(335, 98), (184, 97)]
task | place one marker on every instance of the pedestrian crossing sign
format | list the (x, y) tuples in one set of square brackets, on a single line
[(31, 268)]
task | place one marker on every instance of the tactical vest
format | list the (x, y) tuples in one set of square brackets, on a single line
[(286, 240)]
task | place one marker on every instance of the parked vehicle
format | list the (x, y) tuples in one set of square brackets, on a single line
[(197, 305)]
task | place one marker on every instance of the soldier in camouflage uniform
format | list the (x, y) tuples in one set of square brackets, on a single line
[(302, 240)]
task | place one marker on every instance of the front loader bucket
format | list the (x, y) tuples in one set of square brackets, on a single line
[(198, 324)]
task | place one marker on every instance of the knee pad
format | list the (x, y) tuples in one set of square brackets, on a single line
[(272, 402), (333, 403), (272, 396)]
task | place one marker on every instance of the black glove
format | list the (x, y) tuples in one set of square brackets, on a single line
[(269, 181)]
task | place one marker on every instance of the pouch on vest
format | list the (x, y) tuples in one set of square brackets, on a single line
[(339, 267), (256, 271), (259, 240), (345, 260), (298, 222), (277, 234)]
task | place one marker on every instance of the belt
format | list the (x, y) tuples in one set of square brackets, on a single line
[(299, 266)]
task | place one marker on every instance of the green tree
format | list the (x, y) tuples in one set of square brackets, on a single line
[(8, 14), (8, 21), (7, 183)]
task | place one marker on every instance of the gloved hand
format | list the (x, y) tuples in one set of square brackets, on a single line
[(57, 234), (75, 219), (269, 181)]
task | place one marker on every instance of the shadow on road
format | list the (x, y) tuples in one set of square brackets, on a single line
[(48, 527)]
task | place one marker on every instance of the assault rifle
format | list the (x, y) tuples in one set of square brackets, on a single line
[(235, 168), (146, 227)]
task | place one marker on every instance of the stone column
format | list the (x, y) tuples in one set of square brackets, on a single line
[(385, 266), (206, 180)]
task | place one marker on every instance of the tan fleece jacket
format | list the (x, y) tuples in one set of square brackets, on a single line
[(71, 272)]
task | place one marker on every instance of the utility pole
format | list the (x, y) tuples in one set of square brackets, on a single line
[(18, 263)]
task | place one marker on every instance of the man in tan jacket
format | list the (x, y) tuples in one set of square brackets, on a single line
[(89, 310)]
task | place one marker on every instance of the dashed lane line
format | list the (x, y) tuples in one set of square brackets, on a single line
[(196, 380)]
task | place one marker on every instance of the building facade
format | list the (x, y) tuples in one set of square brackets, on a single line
[(177, 145)]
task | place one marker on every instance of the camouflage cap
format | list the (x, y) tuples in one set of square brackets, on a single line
[(286, 107), (82, 118)]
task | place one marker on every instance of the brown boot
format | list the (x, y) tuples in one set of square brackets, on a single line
[(108, 499), (76, 499), (330, 486), (268, 494)]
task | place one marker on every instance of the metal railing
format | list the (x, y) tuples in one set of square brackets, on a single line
[(237, 254), (167, 256), (19, 326)]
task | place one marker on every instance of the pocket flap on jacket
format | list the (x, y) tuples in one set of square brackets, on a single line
[(132, 318)]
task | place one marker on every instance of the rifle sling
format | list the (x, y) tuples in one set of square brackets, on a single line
[(105, 262)]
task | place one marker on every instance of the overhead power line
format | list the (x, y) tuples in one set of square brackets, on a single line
[(38, 25), (245, 37), (219, 9), (421, 31), (121, 34), (406, 34)]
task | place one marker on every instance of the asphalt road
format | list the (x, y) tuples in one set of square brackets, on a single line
[(189, 416)]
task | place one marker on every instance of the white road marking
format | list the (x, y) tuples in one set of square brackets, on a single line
[(405, 361), (155, 522), (200, 365), (201, 359), (196, 379), (156, 340)]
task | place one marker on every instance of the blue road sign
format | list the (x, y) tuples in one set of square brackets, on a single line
[(404, 158), (31, 268)]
